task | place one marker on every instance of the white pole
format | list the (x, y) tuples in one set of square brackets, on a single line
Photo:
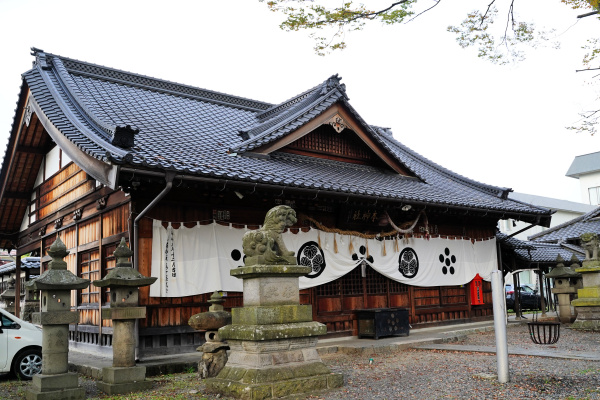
[(499, 302)]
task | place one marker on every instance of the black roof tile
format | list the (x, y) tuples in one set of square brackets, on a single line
[(192, 131), (570, 230)]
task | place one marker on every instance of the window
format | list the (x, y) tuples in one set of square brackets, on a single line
[(8, 323), (90, 269), (594, 195)]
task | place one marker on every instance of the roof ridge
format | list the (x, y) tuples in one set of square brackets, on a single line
[(91, 70), (298, 98), (278, 123), (64, 76), (79, 121), (286, 104)]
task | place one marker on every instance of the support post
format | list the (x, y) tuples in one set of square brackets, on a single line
[(499, 302)]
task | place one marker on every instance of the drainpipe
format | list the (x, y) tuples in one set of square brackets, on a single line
[(169, 176)]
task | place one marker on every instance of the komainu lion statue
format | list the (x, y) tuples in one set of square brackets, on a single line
[(265, 245), (589, 242)]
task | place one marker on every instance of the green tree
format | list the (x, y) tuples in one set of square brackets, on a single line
[(502, 45)]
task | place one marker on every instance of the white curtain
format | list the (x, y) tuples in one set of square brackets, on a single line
[(190, 261)]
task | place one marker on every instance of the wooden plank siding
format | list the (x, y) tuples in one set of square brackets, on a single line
[(67, 204)]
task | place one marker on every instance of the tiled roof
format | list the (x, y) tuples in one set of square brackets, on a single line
[(26, 263), (197, 132), (572, 229), (540, 252)]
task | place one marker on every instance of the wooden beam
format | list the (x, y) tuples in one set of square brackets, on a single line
[(30, 150), (17, 195)]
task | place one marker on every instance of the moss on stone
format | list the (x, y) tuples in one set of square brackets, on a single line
[(272, 332), (586, 302), (256, 271), (335, 380), (587, 325), (274, 374), (589, 266), (267, 315), (305, 385)]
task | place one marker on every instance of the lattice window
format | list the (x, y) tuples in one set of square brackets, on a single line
[(351, 283), (89, 266), (398, 287), (330, 288), (376, 283), (325, 140), (110, 262)]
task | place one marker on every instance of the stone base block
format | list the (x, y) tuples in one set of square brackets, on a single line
[(586, 325), (268, 315), (48, 383), (589, 293), (268, 383), (63, 394), (126, 387), (272, 332), (117, 375), (588, 318)]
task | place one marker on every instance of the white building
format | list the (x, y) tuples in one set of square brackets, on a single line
[(586, 168)]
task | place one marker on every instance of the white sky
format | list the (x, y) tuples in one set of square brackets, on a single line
[(501, 125)]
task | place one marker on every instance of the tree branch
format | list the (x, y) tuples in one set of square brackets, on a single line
[(587, 69), (588, 14), (369, 15), (424, 11)]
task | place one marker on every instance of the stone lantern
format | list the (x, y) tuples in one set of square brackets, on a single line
[(30, 306), (273, 337), (566, 283), (9, 297), (55, 382), (124, 376)]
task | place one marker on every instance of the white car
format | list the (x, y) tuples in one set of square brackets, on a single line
[(20, 346)]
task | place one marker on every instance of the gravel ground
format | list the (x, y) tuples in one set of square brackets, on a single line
[(421, 374)]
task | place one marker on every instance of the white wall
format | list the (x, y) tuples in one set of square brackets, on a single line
[(587, 181)]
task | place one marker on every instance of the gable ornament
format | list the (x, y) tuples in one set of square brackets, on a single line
[(338, 123)]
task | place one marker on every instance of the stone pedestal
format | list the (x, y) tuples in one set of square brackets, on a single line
[(124, 376), (587, 303), (272, 339), (55, 382)]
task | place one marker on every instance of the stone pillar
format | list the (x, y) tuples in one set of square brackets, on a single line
[(214, 351), (272, 338), (587, 303), (55, 382), (565, 285), (9, 297), (124, 376)]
